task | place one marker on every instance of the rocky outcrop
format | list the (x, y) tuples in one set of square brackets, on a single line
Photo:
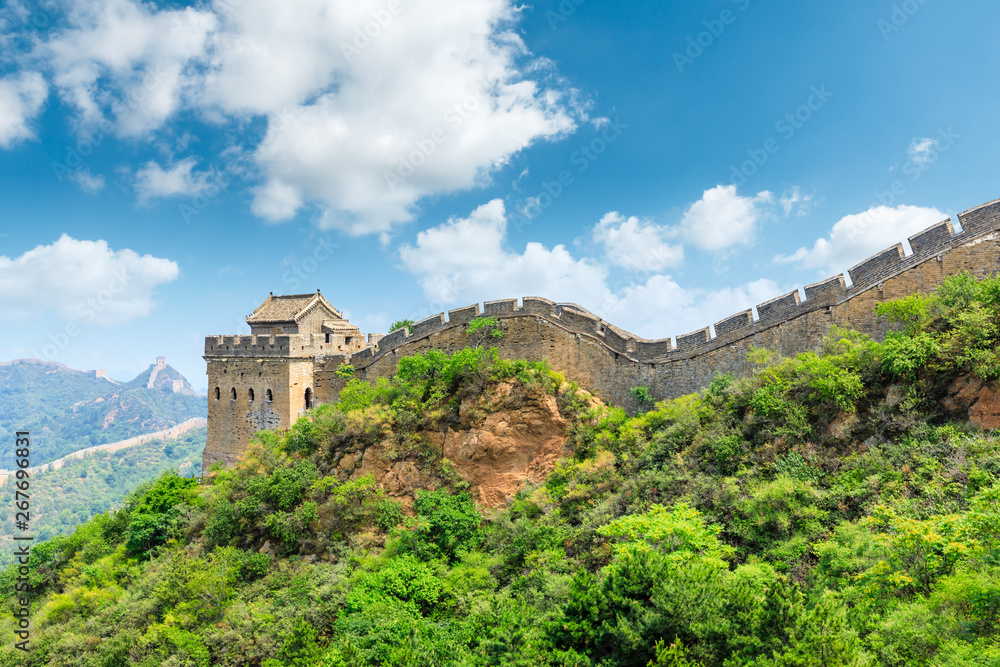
[(981, 399), (505, 438), (507, 448)]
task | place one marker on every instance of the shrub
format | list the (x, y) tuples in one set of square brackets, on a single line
[(913, 312), (400, 324), (155, 513), (251, 566), (356, 395), (222, 525), (904, 355), (446, 525), (483, 328), (641, 395)]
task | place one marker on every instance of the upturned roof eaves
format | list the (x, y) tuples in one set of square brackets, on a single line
[(289, 308)]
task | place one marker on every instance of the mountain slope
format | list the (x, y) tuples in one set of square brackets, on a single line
[(30, 388), (83, 487), (836, 508), (163, 378), (66, 410)]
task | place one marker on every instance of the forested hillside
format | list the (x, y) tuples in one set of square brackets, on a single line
[(66, 410), (836, 508), (81, 488)]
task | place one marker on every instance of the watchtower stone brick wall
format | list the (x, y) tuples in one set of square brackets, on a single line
[(299, 342), (266, 380)]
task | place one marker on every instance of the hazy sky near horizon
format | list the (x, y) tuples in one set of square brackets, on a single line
[(664, 164)]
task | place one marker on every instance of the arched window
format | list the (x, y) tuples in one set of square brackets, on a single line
[(270, 396), (218, 393), (309, 398), (234, 393), (251, 395)]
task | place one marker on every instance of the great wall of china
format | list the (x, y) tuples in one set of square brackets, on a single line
[(609, 361), (164, 434)]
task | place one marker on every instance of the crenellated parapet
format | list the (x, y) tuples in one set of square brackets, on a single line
[(250, 346), (267, 380), (281, 345), (892, 262)]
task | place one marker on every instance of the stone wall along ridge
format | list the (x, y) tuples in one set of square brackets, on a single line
[(925, 246)]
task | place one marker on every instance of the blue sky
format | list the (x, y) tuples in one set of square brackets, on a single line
[(664, 164)]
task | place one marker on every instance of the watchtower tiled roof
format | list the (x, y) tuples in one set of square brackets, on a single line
[(290, 308), (339, 326)]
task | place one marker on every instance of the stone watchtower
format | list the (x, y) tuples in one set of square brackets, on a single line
[(266, 380)]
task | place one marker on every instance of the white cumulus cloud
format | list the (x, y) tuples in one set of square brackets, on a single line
[(793, 201), (465, 260), (856, 237), (21, 98), (722, 218), (661, 307), (180, 179), (82, 280), (367, 107), (128, 61), (923, 151), (635, 244), (88, 182)]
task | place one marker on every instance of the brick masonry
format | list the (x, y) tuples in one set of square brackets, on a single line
[(601, 357)]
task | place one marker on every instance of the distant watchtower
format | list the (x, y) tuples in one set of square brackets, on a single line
[(266, 380)]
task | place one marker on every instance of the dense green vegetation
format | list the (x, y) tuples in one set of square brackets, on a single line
[(29, 391), (829, 510), (62, 499), (66, 410)]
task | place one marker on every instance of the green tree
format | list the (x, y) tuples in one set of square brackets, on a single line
[(446, 525), (483, 328), (401, 324), (155, 512)]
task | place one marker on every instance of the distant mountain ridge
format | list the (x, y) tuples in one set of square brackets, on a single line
[(66, 409), (163, 376), (57, 366)]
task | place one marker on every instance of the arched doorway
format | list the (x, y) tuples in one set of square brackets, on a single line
[(309, 398)]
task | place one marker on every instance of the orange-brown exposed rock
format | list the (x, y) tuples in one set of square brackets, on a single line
[(981, 399), (840, 428), (505, 438)]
